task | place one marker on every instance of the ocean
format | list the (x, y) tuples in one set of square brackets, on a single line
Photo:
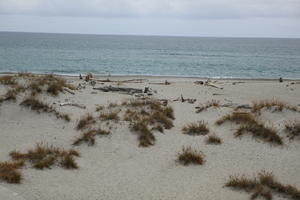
[(71, 54)]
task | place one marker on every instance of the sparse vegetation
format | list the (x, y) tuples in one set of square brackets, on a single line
[(146, 116), (293, 129), (269, 104), (262, 186), (213, 139), (85, 121), (190, 156), (39, 106), (89, 136), (204, 107), (250, 125), (44, 156), (237, 117), (260, 131), (112, 115), (196, 128), (8, 80), (9, 171)]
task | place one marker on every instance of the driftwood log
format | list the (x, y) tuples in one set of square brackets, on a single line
[(73, 104), (119, 89)]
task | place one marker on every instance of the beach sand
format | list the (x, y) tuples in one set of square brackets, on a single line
[(117, 168)]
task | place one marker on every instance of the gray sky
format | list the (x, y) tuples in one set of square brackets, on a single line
[(225, 18)]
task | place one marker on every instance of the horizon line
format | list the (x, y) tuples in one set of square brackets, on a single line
[(152, 35)]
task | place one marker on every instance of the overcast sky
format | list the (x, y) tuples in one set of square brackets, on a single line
[(222, 18)]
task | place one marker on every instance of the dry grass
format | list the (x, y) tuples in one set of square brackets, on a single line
[(146, 116), (209, 104), (293, 129), (9, 171), (39, 107), (86, 120), (263, 186), (48, 83), (8, 80), (213, 139), (258, 130), (262, 192), (269, 104), (44, 156), (89, 136), (99, 108), (250, 125), (267, 179), (145, 136), (196, 128), (190, 156), (112, 115), (237, 117)]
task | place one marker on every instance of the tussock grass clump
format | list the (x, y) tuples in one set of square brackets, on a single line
[(86, 120), (242, 182), (54, 84), (9, 171), (293, 129), (209, 104), (89, 136), (262, 186), (161, 118), (112, 115), (99, 108), (44, 156), (260, 131), (146, 116), (237, 117), (8, 80), (196, 128), (213, 139), (39, 107), (269, 104), (190, 156), (145, 136)]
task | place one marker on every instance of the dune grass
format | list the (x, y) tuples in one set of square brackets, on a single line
[(196, 128), (263, 185), (237, 117), (213, 139), (209, 104), (272, 104), (111, 115), (85, 121), (8, 80), (190, 156), (89, 136), (146, 116), (293, 129), (39, 107), (248, 124), (45, 156), (9, 171), (259, 130)]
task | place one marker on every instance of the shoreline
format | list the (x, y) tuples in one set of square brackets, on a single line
[(159, 77)]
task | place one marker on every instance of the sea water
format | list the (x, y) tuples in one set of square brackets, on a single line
[(72, 54)]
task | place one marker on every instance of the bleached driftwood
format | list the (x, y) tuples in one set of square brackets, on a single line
[(69, 91), (185, 100), (119, 89), (73, 104)]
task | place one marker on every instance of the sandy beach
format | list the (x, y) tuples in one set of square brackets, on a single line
[(117, 167)]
